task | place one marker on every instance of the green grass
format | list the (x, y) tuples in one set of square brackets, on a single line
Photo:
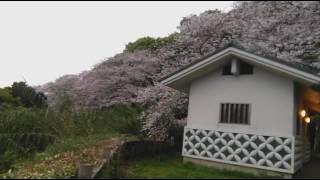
[(75, 143), (71, 144), (67, 144), (39, 135), (172, 167), (31, 134)]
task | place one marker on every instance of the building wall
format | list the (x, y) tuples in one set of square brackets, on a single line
[(270, 95)]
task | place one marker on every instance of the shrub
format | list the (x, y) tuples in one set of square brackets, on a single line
[(22, 133), (25, 130), (6, 160), (125, 118), (6, 98)]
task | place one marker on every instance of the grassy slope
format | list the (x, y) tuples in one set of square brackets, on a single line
[(36, 167), (172, 167), (76, 131), (75, 143)]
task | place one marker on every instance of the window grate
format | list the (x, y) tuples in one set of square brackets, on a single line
[(234, 113)]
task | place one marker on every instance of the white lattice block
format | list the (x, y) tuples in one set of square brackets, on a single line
[(266, 152)]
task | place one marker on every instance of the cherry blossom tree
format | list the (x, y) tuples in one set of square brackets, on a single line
[(287, 30)]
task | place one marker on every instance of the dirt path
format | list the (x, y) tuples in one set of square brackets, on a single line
[(311, 170)]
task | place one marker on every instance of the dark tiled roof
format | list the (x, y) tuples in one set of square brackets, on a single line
[(297, 65)]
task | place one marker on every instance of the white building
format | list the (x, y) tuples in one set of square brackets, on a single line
[(247, 112)]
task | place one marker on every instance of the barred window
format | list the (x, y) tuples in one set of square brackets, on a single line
[(234, 113)]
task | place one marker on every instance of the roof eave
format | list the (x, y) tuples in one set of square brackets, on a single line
[(300, 75), (292, 72), (181, 73)]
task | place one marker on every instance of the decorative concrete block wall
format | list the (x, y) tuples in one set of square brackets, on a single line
[(258, 151)]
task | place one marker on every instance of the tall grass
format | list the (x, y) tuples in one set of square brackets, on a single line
[(24, 132)]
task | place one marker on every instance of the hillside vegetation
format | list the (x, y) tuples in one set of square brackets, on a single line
[(288, 30), (28, 127)]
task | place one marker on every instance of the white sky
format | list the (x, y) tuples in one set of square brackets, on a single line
[(41, 41)]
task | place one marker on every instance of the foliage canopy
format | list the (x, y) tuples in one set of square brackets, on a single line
[(149, 43), (20, 94)]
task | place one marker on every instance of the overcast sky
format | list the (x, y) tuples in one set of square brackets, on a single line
[(41, 41)]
